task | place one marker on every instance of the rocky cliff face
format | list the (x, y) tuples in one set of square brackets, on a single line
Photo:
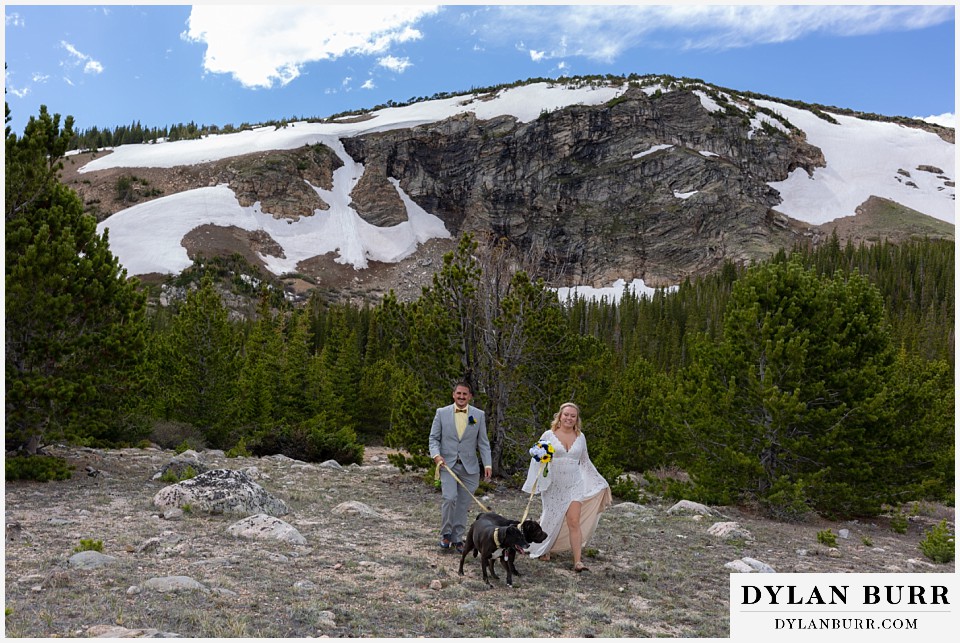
[(577, 181), (653, 184)]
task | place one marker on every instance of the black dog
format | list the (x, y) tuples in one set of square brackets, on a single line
[(532, 533), (487, 536)]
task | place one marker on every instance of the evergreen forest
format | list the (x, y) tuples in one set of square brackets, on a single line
[(819, 380)]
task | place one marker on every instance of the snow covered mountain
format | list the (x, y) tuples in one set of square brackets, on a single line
[(649, 180)]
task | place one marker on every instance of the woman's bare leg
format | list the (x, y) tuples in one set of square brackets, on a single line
[(573, 526)]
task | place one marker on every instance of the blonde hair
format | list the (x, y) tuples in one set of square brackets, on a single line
[(556, 418)]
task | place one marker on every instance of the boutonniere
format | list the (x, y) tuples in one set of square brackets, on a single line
[(470, 420)]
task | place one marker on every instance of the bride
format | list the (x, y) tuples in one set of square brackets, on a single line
[(573, 491)]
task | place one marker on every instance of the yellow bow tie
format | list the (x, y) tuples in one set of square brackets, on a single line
[(459, 410)]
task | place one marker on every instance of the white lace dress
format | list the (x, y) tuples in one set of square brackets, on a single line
[(570, 477)]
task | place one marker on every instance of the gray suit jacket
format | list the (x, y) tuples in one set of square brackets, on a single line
[(444, 441)]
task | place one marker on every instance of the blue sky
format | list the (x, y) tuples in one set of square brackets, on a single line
[(110, 65)]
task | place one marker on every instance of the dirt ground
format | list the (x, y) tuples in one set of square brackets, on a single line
[(374, 570)]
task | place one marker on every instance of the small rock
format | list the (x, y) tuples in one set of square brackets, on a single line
[(352, 506), (304, 586), (435, 584), (759, 566), (326, 619), (221, 591), (263, 526), (117, 632), (330, 464), (914, 563), (30, 578), (174, 584), (150, 544), (739, 566), (133, 590), (689, 507), (844, 533), (729, 531), (91, 560), (173, 513)]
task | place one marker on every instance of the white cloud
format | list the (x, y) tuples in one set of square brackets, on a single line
[(90, 66), (946, 120), (19, 93), (393, 63), (603, 32), (261, 46), (368, 84), (13, 20), (536, 56), (40, 78)]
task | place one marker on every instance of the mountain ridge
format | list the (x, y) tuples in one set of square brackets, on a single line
[(629, 180)]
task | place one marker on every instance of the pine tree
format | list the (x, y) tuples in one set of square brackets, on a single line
[(74, 323), (259, 379), (196, 371), (788, 407)]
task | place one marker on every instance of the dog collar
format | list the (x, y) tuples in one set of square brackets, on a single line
[(496, 537)]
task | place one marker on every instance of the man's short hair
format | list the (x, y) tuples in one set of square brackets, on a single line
[(463, 383)]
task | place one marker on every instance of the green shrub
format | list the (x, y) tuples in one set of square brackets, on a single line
[(415, 462), (670, 488), (88, 544), (41, 468), (625, 489), (938, 544), (898, 522), (310, 441), (170, 476), (827, 537), (170, 435), (787, 501), (239, 450)]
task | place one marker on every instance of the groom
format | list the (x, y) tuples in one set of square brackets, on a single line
[(458, 431)]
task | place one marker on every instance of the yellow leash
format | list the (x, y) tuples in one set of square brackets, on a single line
[(533, 491), (436, 476)]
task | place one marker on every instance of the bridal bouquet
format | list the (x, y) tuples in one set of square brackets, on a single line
[(542, 452)]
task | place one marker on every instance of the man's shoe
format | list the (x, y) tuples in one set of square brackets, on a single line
[(445, 542)]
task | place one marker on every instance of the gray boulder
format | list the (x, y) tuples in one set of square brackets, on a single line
[(174, 584), (91, 560), (266, 527), (690, 507), (221, 491)]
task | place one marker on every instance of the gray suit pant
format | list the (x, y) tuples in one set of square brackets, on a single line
[(456, 501)]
